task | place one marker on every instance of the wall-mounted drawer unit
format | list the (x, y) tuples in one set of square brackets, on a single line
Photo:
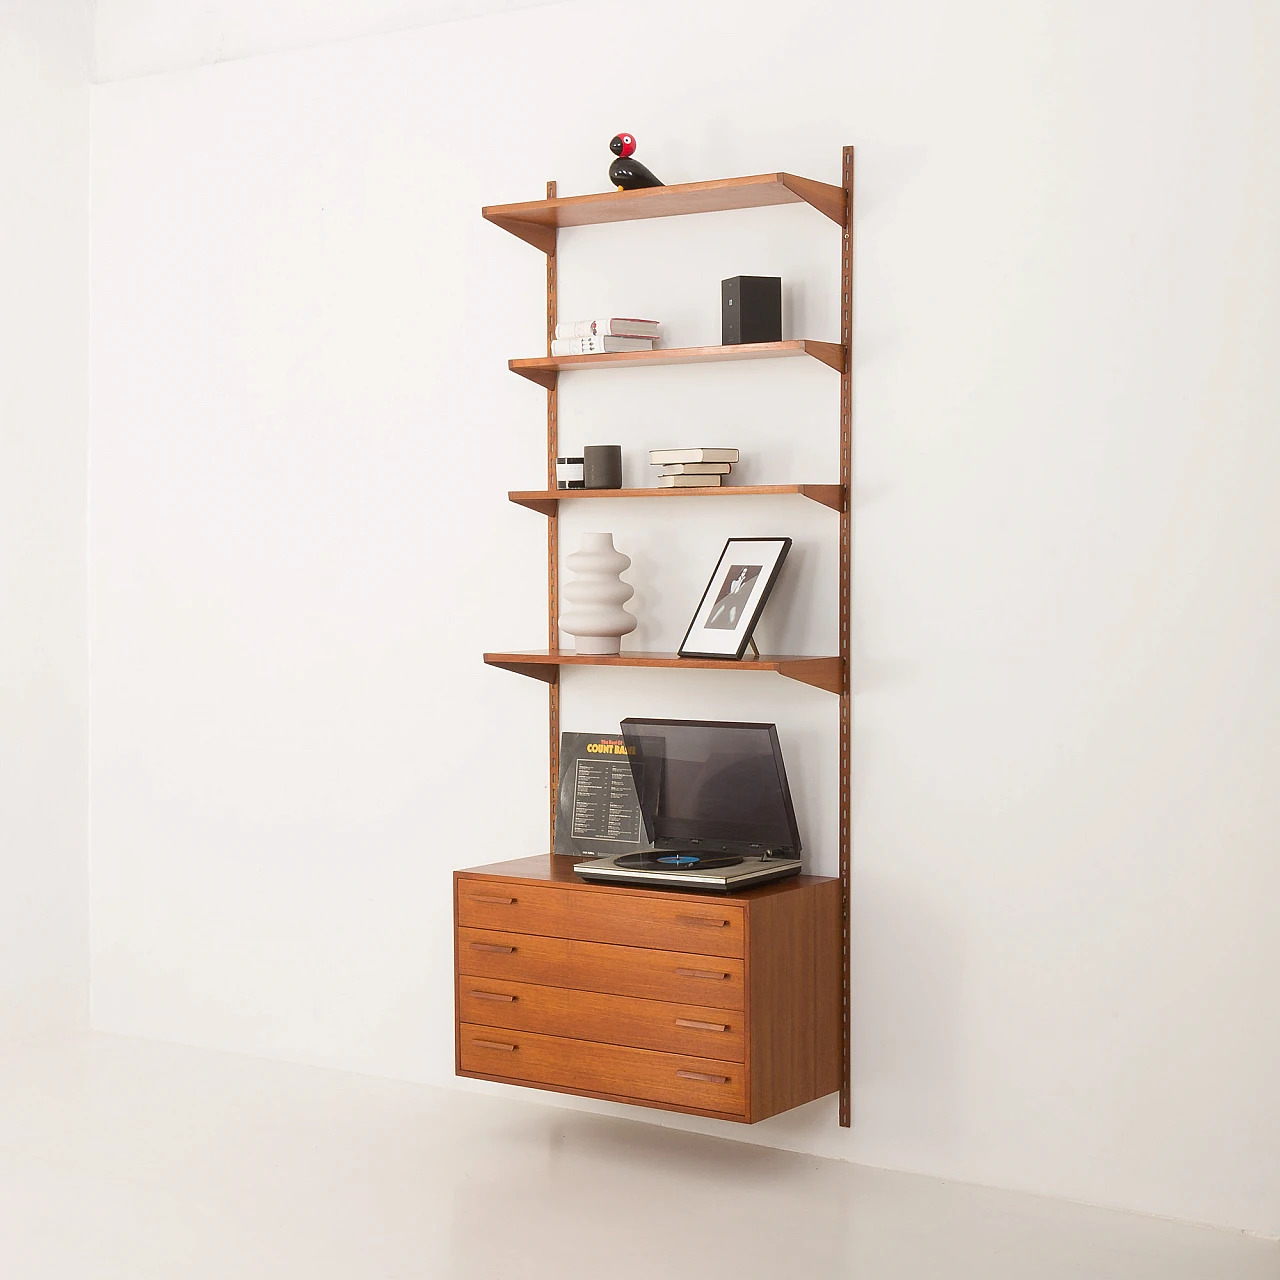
[(725, 1007)]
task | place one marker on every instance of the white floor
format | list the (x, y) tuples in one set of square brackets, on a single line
[(131, 1160)]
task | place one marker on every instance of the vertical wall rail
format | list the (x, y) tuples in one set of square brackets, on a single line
[(846, 586), (553, 540)]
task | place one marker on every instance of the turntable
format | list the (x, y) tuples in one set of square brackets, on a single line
[(716, 808)]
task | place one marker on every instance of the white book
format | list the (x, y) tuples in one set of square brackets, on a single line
[(612, 327), (598, 346), (660, 457), (688, 482), (696, 468)]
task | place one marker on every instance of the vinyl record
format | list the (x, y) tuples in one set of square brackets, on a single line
[(675, 860)]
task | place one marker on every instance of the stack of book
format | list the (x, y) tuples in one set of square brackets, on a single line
[(692, 468), (597, 337)]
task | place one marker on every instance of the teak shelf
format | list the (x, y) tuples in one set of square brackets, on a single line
[(536, 221), (607, 992), (546, 500), (544, 369), (544, 664)]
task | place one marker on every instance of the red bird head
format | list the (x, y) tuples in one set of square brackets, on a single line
[(623, 145)]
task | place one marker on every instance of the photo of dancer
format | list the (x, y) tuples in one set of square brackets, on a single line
[(734, 595), (734, 598)]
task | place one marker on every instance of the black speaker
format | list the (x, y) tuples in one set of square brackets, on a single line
[(750, 310)]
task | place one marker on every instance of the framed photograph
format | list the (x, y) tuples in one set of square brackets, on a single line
[(734, 598)]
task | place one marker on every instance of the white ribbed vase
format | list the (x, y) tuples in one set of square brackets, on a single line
[(595, 617)]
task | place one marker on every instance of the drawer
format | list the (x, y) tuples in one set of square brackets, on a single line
[(674, 1079), (709, 981), (589, 1015), (677, 924)]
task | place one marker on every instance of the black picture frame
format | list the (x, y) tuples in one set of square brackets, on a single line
[(766, 556)]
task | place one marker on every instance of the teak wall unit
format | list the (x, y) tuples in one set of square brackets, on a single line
[(723, 1006), (729, 1006)]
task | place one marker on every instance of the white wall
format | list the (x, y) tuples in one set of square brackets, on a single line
[(140, 37), (1066, 608), (44, 353)]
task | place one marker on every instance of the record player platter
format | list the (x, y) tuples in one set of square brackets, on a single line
[(667, 859)]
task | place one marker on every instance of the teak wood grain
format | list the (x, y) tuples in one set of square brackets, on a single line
[(792, 978), (535, 221), (553, 536), (772, 919), (547, 501), (523, 1056), (544, 664), (558, 870), (601, 995), (845, 803), (828, 1001), (712, 981), (662, 923), (607, 1019), (545, 369)]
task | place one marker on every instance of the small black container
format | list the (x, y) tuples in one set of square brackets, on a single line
[(602, 466)]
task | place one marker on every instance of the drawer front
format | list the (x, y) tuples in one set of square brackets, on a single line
[(588, 1015), (709, 981), (699, 928), (669, 1078)]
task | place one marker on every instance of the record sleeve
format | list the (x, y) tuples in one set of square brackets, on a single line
[(597, 812)]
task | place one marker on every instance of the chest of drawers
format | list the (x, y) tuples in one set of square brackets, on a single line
[(718, 1006)]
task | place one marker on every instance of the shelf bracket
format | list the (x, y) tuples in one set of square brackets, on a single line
[(544, 377), (540, 237), (825, 674), (825, 198), (832, 354), (534, 670), (829, 495), (547, 506)]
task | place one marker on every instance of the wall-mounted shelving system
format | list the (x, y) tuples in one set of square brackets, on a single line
[(537, 222)]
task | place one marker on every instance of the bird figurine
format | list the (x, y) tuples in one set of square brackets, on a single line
[(625, 173)]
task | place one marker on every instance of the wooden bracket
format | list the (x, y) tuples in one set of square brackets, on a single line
[(833, 201), (540, 237)]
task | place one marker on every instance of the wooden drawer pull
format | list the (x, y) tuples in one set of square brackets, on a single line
[(497, 902), (491, 946), (697, 1075), (495, 1044), (702, 923), (494, 995), (695, 973), (689, 1022)]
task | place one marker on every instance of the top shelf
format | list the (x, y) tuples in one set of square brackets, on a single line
[(535, 221)]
